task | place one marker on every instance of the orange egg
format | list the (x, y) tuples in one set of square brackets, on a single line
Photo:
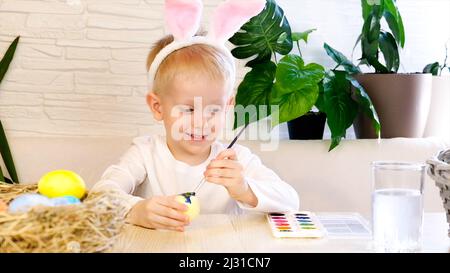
[(3, 206)]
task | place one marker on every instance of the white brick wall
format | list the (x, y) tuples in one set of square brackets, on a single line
[(80, 67)]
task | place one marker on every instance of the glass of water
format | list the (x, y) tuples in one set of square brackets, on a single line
[(397, 206)]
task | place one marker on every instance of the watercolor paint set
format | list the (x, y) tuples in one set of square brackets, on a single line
[(302, 224)]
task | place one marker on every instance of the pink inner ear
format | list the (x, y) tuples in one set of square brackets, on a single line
[(183, 17), (231, 15)]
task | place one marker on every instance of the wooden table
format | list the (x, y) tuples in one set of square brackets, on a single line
[(251, 233)]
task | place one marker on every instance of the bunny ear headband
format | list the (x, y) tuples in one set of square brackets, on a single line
[(183, 21)]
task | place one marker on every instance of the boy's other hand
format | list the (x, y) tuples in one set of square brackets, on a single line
[(159, 212)]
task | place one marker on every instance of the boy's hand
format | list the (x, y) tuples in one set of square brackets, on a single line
[(160, 212), (225, 170)]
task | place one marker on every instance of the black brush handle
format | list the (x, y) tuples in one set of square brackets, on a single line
[(237, 136)]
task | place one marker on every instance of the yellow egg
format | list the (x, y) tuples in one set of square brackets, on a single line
[(192, 203), (62, 183)]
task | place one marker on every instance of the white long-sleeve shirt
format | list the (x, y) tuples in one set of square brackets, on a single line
[(149, 169)]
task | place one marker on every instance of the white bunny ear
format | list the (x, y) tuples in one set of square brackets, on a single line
[(231, 15), (183, 17)]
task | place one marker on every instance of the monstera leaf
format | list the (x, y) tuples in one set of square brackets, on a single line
[(260, 37)]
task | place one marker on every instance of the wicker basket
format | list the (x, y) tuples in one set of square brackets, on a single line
[(91, 226), (439, 170)]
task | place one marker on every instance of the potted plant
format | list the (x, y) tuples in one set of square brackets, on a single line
[(438, 123), (401, 100), (287, 83), (4, 147)]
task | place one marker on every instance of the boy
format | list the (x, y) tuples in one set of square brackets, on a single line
[(191, 84)]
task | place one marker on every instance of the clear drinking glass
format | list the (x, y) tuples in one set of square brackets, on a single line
[(397, 206)]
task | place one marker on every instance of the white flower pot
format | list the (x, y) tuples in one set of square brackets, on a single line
[(438, 123)]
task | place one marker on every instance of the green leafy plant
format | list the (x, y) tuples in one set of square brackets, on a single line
[(376, 41), (435, 68), (289, 83), (4, 146), (342, 98)]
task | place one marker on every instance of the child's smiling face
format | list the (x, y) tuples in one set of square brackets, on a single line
[(192, 109), (190, 94)]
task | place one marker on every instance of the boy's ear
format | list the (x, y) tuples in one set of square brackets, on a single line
[(154, 103), (230, 104), (231, 101)]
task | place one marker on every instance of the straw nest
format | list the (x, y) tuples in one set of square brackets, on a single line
[(88, 227)]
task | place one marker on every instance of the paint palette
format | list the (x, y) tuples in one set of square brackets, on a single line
[(302, 224)]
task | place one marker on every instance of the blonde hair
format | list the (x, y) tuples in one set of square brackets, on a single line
[(197, 59)]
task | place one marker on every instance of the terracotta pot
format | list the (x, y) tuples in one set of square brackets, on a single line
[(438, 124), (402, 102)]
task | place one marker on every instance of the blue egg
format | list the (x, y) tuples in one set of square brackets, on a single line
[(24, 202), (65, 200)]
